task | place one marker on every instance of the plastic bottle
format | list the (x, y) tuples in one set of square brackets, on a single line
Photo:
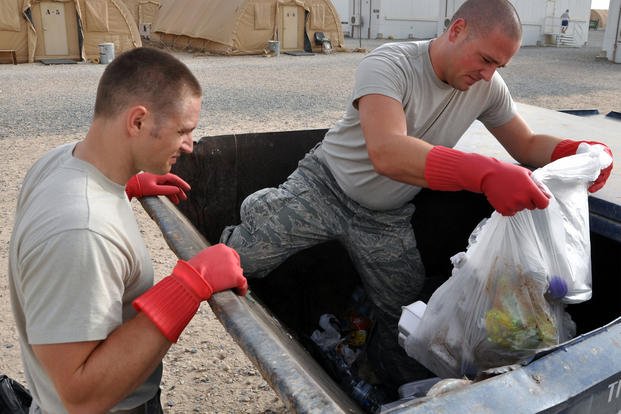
[(369, 397)]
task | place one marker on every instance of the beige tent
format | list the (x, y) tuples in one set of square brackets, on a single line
[(65, 29), (144, 13), (245, 26)]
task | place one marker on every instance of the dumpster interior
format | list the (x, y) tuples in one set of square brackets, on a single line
[(322, 280)]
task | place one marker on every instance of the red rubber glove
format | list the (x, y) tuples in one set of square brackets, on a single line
[(172, 302), (508, 187), (569, 147), (147, 184)]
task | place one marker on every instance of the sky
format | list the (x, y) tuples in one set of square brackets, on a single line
[(599, 4)]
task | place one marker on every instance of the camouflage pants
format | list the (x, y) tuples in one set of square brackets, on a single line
[(310, 208)]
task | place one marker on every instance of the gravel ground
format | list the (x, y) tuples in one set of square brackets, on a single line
[(44, 106), (255, 93)]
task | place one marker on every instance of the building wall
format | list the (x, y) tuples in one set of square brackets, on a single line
[(342, 8), (421, 19), (612, 35)]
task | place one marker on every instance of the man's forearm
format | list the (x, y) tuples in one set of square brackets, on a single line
[(94, 376)]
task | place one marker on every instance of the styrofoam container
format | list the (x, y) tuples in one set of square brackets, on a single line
[(410, 318)]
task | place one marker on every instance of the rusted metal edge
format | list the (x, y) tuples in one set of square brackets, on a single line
[(296, 377)]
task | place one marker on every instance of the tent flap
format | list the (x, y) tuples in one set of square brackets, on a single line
[(96, 15), (263, 16), (318, 15), (9, 15)]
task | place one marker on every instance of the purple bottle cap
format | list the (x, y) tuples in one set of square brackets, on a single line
[(557, 288)]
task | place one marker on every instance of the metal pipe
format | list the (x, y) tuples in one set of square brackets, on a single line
[(616, 40), (290, 370), (360, 23), (370, 14)]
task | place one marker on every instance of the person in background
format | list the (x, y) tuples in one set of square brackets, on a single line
[(565, 21), (93, 328), (411, 103)]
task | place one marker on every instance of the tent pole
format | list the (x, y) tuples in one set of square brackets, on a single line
[(360, 25), (616, 39)]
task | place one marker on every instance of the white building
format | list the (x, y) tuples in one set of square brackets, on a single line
[(612, 35), (422, 19)]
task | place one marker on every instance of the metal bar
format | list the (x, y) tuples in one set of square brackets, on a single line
[(600, 207), (301, 383), (605, 227)]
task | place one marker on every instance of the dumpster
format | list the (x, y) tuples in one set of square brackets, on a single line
[(274, 322)]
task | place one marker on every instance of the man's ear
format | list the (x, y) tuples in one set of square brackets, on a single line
[(457, 29), (135, 119)]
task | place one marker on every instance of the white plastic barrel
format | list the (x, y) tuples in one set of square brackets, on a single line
[(274, 47), (106, 53)]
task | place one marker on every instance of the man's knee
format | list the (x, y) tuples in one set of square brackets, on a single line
[(232, 238)]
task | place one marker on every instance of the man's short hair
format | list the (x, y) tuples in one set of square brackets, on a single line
[(484, 16), (144, 76)]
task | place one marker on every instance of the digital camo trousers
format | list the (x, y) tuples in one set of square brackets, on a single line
[(310, 208)]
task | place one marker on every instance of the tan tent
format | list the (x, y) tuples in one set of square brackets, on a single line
[(144, 13), (245, 26), (65, 29)]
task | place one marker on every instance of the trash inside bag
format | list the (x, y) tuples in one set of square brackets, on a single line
[(501, 304)]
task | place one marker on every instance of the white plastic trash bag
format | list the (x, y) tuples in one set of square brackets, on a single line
[(567, 217), (494, 310)]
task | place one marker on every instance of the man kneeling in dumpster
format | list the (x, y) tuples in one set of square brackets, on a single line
[(411, 103)]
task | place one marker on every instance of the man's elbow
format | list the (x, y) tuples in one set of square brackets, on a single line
[(77, 401), (382, 163)]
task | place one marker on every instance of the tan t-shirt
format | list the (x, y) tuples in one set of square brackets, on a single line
[(76, 262), (403, 71)]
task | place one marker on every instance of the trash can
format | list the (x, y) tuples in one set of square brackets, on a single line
[(106, 53), (273, 46)]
